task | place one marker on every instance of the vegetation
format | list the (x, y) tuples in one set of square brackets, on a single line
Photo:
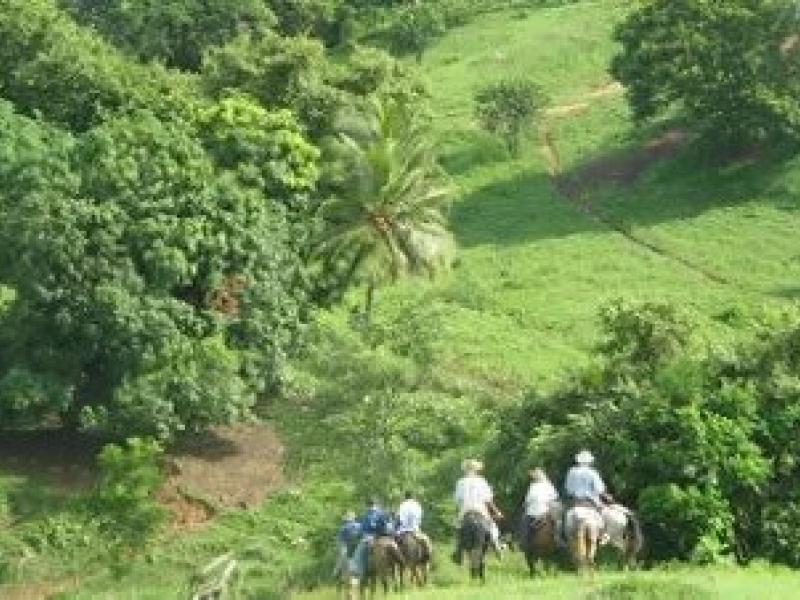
[(388, 219), (723, 62), (192, 206), (507, 109)]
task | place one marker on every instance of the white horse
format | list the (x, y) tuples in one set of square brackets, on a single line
[(621, 529), (584, 528)]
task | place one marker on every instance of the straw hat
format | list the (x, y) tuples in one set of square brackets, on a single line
[(350, 515), (584, 457), (472, 465), (537, 474)]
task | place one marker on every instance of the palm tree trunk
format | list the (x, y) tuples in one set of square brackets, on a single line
[(369, 301)]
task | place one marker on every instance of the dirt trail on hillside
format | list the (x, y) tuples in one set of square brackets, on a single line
[(613, 88), (621, 168)]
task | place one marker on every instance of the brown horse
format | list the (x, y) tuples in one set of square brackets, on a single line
[(384, 562), (417, 553), (538, 541)]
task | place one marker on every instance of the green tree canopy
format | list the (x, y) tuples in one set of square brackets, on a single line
[(721, 63), (54, 67), (154, 292), (176, 32)]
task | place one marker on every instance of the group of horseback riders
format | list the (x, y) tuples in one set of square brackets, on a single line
[(585, 497)]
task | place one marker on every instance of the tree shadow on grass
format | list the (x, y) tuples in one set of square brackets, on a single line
[(515, 211)]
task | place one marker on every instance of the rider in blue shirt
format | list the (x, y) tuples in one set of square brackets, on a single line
[(374, 522), (347, 537)]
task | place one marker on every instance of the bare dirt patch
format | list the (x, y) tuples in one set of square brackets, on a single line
[(227, 467)]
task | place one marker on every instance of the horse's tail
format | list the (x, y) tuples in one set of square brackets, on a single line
[(634, 535)]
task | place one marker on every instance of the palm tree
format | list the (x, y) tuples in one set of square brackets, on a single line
[(388, 219)]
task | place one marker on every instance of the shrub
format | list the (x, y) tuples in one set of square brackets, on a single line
[(507, 108), (130, 475), (415, 27)]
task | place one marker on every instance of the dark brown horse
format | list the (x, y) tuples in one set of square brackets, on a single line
[(384, 563), (417, 553), (475, 538), (538, 541)]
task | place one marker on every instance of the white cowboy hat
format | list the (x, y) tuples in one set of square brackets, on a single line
[(584, 457), (471, 465)]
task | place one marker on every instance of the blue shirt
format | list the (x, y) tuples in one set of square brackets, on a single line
[(374, 521), (349, 532), (584, 483)]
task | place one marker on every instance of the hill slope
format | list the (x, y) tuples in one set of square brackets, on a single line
[(536, 264)]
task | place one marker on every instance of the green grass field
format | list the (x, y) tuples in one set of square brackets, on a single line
[(711, 583), (521, 306)]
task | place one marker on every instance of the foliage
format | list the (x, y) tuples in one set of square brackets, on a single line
[(267, 150), (507, 108), (129, 477), (69, 75), (176, 32), (720, 62), (378, 394), (688, 439), (388, 219), (415, 27), (156, 292)]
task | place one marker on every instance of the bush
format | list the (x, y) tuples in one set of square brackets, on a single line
[(415, 27), (130, 475), (704, 444), (507, 108)]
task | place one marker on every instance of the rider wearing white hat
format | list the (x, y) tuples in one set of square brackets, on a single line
[(474, 495), (583, 483)]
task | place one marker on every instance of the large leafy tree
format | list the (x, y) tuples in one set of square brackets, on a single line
[(154, 291), (176, 32), (69, 75), (389, 218), (721, 63)]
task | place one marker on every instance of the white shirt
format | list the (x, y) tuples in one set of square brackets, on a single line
[(540, 495), (409, 516), (472, 494), (584, 483)]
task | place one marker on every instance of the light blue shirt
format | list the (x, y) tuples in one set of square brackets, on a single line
[(584, 483)]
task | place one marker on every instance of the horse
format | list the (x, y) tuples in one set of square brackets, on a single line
[(537, 540), (384, 562), (475, 537), (584, 528), (417, 554), (622, 530)]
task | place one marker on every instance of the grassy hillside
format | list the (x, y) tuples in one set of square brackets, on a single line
[(521, 306)]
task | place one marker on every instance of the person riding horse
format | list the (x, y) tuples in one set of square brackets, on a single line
[(474, 495), (375, 522), (409, 520), (415, 546), (583, 487), (540, 503), (347, 538)]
